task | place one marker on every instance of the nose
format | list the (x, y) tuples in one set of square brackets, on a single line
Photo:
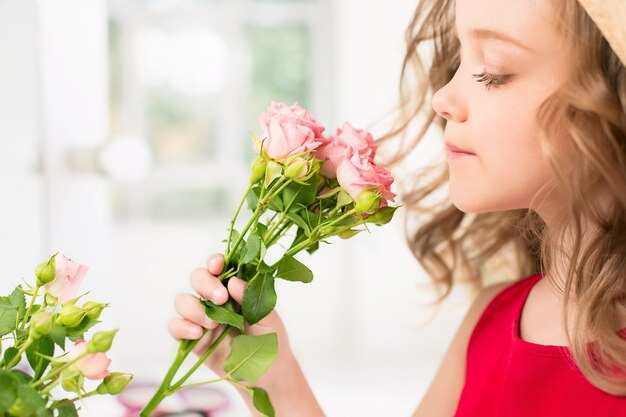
[(449, 104)]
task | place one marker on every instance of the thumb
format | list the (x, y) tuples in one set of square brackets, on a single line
[(236, 288)]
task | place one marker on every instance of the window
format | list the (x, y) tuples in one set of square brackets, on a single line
[(190, 77)]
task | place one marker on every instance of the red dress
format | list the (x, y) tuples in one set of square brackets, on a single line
[(510, 377)]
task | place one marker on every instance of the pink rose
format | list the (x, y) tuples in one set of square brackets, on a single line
[(357, 173), (334, 149), (92, 366), (69, 275), (289, 130)]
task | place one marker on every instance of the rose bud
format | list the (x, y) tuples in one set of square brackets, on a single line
[(101, 341), (368, 202), (68, 277), (297, 169), (71, 315), (258, 169), (73, 384), (41, 324), (91, 366), (93, 309), (114, 383), (51, 300), (46, 271)]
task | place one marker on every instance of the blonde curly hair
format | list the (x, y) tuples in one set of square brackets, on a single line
[(589, 111)]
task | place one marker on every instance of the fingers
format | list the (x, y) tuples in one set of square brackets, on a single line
[(191, 310), (183, 329), (236, 288), (215, 263), (208, 286)]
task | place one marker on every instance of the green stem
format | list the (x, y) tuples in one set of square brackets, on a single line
[(202, 358), (86, 395), (260, 209), (279, 233), (48, 388), (274, 227), (196, 384), (54, 372), (232, 222), (313, 238), (30, 306), (164, 391)]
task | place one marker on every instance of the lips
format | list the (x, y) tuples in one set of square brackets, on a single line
[(456, 149)]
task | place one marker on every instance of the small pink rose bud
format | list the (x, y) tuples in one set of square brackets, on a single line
[(114, 383), (41, 324), (71, 315), (368, 202), (68, 277), (101, 341), (91, 366), (297, 169)]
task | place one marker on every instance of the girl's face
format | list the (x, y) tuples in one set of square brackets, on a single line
[(492, 113)]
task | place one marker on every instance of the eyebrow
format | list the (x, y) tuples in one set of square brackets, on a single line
[(494, 34)]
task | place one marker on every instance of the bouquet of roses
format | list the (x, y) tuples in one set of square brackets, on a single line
[(319, 186), (36, 330)]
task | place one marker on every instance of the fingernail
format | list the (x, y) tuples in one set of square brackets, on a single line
[(208, 322)]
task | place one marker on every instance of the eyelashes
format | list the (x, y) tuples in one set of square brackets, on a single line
[(491, 80)]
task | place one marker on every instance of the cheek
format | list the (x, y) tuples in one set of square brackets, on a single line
[(509, 168)]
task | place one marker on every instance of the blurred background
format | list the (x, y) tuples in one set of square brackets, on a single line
[(125, 129)]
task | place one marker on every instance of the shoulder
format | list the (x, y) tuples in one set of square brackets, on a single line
[(444, 392)]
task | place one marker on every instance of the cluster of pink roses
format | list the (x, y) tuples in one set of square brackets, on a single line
[(292, 134), (61, 278)]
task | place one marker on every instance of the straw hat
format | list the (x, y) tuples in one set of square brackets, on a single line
[(610, 16)]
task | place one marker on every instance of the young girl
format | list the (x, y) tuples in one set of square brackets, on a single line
[(532, 99)]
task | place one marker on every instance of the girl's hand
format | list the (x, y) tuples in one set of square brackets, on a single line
[(193, 318)]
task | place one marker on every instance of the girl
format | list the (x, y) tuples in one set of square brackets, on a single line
[(532, 100)]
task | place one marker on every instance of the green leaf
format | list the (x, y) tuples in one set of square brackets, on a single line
[(300, 222), (251, 356), (78, 332), (58, 335), (262, 402), (273, 171), (221, 314), (253, 198), (295, 194), (6, 304), (33, 401), (382, 216), (259, 298), (44, 346), (261, 229), (10, 317), (8, 390), (21, 376), (311, 249), (300, 237), (312, 219), (9, 354), (251, 250), (276, 204), (291, 269), (67, 409)]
